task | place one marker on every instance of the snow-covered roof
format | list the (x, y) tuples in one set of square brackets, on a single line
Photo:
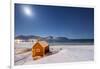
[(42, 43)]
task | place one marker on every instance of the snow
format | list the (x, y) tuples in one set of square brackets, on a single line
[(60, 54)]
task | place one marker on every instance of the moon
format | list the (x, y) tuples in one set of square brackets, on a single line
[(27, 10)]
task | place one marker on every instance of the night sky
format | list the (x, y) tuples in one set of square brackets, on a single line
[(70, 22)]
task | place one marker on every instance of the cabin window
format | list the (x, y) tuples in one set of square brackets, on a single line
[(37, 50)]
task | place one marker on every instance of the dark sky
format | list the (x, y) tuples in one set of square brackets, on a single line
[(71, 22)]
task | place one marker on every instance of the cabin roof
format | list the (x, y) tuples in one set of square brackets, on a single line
[(42, 43)]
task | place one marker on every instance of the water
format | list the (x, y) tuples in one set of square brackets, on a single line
[(72, 43), (30, 44)]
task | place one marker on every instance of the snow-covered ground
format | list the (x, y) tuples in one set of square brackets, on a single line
[(61, 53)]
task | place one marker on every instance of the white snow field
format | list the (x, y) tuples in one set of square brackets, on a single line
[(60, 54)]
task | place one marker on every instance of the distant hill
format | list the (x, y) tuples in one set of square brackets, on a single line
[(51, 39), (27, 37)]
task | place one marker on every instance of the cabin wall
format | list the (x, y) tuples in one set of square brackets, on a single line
[(36, 51), (46, 49)]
